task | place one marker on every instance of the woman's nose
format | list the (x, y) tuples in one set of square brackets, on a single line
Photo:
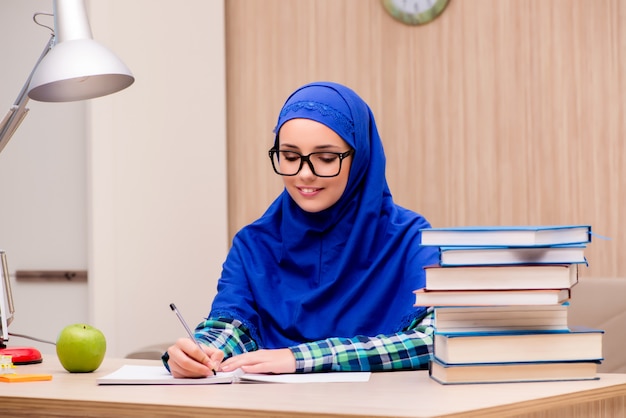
[(307, 169)]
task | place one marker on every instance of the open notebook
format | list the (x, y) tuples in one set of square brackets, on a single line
[(157, 375)]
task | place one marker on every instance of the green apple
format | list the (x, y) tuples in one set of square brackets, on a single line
[(81, 348)]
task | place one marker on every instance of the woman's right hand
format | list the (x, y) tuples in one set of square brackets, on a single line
[(187, 360)]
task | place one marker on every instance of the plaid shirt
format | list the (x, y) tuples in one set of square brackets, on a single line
[(409, 349)]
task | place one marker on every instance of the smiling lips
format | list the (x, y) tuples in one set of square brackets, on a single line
[(309, 191)]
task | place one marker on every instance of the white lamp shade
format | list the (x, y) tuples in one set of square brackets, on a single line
[(77, 67), (77, 70)]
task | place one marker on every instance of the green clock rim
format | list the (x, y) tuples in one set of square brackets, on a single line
[(416, 19)]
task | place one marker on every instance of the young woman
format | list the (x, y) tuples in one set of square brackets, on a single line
[(323, 281)]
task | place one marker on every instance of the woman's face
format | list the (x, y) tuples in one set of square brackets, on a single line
[(310, 192)]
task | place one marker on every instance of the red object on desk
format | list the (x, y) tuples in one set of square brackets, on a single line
[(22, 355)]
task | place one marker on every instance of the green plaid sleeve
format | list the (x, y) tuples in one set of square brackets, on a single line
[(229, 335), (409, 349)]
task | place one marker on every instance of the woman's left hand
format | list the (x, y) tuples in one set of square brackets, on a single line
[(262, 361)]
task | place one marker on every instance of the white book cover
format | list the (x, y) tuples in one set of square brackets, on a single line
[(524, 236)]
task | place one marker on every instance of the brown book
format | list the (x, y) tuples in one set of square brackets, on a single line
[(520, 276), (450, 374), (424, 297), (500, 318)]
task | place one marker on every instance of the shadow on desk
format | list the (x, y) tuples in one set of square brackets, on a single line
[(600, 303), (152, 352)]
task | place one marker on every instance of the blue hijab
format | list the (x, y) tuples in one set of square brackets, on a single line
[(293, 276)]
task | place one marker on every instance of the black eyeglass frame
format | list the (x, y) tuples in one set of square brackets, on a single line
[(303, 158)]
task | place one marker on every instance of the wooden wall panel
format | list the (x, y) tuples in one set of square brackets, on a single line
[(499, 112)]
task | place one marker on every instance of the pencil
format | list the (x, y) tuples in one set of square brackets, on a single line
[(193, 338)]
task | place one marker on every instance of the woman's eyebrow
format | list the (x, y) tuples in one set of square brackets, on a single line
[(317, 147), (288, 145), (328, 146)]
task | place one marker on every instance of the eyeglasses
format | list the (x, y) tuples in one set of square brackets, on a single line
[(322, 164)]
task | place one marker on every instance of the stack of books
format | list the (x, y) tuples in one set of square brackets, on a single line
[(501, 296)]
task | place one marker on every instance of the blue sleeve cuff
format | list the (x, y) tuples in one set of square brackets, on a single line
[(165, 358)]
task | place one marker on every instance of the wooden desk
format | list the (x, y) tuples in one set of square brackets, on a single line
[(398, 394)]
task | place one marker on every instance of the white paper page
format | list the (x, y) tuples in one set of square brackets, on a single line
[(306, 377), (158, 375)]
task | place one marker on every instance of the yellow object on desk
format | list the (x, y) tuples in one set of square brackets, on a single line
[(15, 377), (6, 363)]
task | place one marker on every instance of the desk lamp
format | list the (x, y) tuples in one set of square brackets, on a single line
[(71, 67)]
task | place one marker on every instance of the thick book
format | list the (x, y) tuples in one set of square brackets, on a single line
[(472, 256), (157, 375), (575, 344), (519, 276), (500, 318), (424, 297), (506, 236), (455, 374)]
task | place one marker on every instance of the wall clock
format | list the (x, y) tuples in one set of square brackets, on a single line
[(415, 12)]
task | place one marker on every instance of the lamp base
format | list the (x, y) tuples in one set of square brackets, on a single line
[(22, 355)]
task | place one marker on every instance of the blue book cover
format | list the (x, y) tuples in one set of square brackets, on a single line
[(493, 255), (506, 236), (518, 346), (570, 330)]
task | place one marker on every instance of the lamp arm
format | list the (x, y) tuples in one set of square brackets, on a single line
[(18, 111), (6, 301)]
